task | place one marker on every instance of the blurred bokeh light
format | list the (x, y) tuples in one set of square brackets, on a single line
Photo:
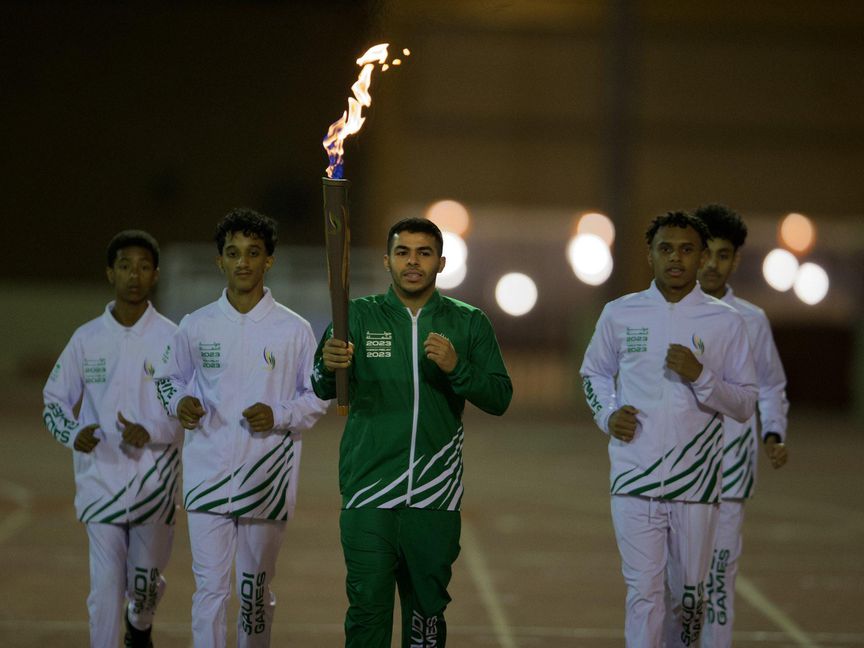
[(450, 216), (516, 293), (779, 269), (797, 232), (456, 253), (597, 224), (811, 283), (590, 258)]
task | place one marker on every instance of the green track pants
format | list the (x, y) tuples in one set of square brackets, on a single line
[(412, 548)]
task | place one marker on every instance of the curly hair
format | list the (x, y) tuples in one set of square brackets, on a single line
[(129, 238), (677, 219), (250, 223), (723, 223)]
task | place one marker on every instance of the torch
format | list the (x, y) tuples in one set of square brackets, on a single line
[(336, 224), (337, 233)]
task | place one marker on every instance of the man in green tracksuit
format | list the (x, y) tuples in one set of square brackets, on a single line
[(414, 357)]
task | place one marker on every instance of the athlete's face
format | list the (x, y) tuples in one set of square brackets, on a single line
[(244, 261), (133, 274), (413, 263), (721, 263), (675, 255)]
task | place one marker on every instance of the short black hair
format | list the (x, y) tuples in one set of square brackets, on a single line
[(723, 223), (250, 223), (677, 219), (130, 238), (421, 225)]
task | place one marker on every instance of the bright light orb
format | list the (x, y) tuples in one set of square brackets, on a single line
[(516, 293), (598, 224), (590, 258), (455, 250), (779, 269), (455, 269), (811, 283), (797, 232), (450, 278), (450, 216)]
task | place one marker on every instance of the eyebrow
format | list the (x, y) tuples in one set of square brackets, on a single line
[(234, 246), (418, 248)]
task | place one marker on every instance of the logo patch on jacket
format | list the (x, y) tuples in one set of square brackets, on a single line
[(379, 345), (698, 345), (270, 359), (95, 371), (637, 340), (211, 355), (149, 371)]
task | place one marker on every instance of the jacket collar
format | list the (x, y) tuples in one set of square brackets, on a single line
[(392, 300), (258, 313), (695, 296), (137, 328), (729, 297)]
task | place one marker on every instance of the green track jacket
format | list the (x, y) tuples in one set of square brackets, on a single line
[(402, 444)]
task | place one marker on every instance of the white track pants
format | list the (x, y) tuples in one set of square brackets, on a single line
[(253, 545), (665, 551), (720, 612), (126, 565)]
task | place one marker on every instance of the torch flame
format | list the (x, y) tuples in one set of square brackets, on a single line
[(352, 119)]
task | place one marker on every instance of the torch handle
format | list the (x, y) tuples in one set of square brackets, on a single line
[(337, 232)]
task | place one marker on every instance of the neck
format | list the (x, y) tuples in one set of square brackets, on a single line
[(720, 293), (126, 313), (243, 302), (414, 302), (675, 295)]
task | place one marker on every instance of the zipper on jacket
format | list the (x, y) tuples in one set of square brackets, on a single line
[(670, 310), (240, 391), (415, 368), (123, 368)]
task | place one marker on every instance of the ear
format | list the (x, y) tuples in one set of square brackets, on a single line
[(219, 264), (650, 259), (268, 263), (441, 263), (703, 258), (387, 262), (109, 272), (155, 275), (736, 260)]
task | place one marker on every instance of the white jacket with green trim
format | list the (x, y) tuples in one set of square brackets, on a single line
[(741, 439), (230, 361), (677, 451), (108, 368)]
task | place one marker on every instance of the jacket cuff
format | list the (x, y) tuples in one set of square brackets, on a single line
[(776, 435), (602, 419)]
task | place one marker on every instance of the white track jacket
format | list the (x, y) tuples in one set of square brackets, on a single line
[(742, 446), (108, 368), (229, 361), (677, 450)]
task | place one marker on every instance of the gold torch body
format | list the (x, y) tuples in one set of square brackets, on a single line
[(338, 240)]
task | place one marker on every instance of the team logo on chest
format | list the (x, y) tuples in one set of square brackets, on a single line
[(95, 370), (379, 345), (211, 355), (698, 345), (637, 339), (269, 359)]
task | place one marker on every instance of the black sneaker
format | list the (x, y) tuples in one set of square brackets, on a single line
[(136, 638)]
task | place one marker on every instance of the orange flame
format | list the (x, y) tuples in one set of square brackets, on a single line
[(352, 119)]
